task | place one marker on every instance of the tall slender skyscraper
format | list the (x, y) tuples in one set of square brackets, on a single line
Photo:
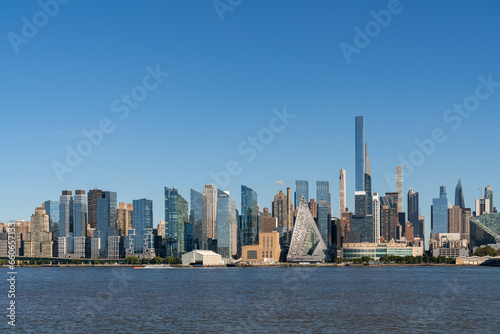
[(459, 195), (209, 215), (125, 212), (413, 213), (360, 152), (107, 220), (196, 218), (176, 214), (280, 210), (65, 213), (323, 192), (93, 196), (52, 209), (342, 192), (249, 221), (301, 189), (142, 215), (226, 225), (399, 187), (80, 214)]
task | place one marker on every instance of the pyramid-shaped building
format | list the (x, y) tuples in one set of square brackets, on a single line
[(307, 244)]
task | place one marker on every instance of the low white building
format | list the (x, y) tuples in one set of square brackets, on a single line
[(202, 257)]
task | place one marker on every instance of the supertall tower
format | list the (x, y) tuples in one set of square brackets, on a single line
[(399, 187), (459, 195), (342, 192), (360, 152)]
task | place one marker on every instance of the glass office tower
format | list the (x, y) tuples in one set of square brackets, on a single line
[(360, 153)]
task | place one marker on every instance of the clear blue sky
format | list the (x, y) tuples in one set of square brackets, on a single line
[(226, 77)]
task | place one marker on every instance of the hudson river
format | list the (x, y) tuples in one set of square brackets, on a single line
[(227, 300)]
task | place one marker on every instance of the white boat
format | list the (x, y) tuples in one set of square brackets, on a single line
[(158, 266)]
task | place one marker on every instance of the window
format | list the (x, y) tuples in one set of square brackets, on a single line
[(252, 255)]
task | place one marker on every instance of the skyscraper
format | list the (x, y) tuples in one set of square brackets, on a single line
[(324, 219), (176, 214), (39, 241), (80, 214), (196, 218), (342, 192), (439, 212), (360, 152), (209, 215), (323, 192), (93, 196), (249, 220), (280, 210), (52, 209), (459, 195), (389, 216), (376, 218), (125, 212), (142, 215), (413, 213), (107, 219), (301, 189), (455, 219), (399, 187), (65, 213), (226, 225), (488, 194)]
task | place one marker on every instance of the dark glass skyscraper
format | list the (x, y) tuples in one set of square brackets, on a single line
[(65, 213), (360, 153), (92, 197), (80, 214), (142, 216), (301, 189), (226, 222), (176, 214), (323, 192), (196, 217), (249, 220), (459, 195), (107, 219), (52, 209)]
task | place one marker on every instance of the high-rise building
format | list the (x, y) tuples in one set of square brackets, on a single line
[(65, 213), (209, 215), (324, 220), (93, 195), (466, 214), (413, 208), (459, 195), (301, 189), (488, 194), (226, 225), (52, 209), (176, 214), (439, 212), (483, 206), (313, 206), (455, 219), (399, 187), (323, 192), (360, 153), (342, 192), (281, 210), (39, 242), (125, 212), (106, 220), (196, 218), (389, 216), (80, 214), (249, 220), (142, 215), (376, 218)]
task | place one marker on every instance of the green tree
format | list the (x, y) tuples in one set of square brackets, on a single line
[(75, 261), (132, 260), (157, 260)]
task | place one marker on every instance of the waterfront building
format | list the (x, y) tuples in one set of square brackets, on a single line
[(209, 216), (92, 197), (176, 214), (202, 258), (307, 245), (227, 241), (448, 245), (376, 250), (439, 212), (142, 222), (196, 218), (485, 230), (267, 251), (249, 219), (39, 241), (301, 189)]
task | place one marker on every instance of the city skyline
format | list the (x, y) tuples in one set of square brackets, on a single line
[(408, 104)]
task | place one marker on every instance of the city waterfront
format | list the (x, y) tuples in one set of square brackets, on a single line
[(314, 299)]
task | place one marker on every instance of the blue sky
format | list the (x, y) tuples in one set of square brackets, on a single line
[(225, 79)]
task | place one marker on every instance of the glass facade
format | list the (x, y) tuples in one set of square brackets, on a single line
[(323, 192), (488, 194), (196, 217), (107, 218), (324, 218), (485, 229), (52, 209), (439, 217), (176, 214), (360, 152), (80, 214), (459, 195), (375, 251), (65, 213), (142, 216), (226, 224), (301, 189), (249, 220)]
